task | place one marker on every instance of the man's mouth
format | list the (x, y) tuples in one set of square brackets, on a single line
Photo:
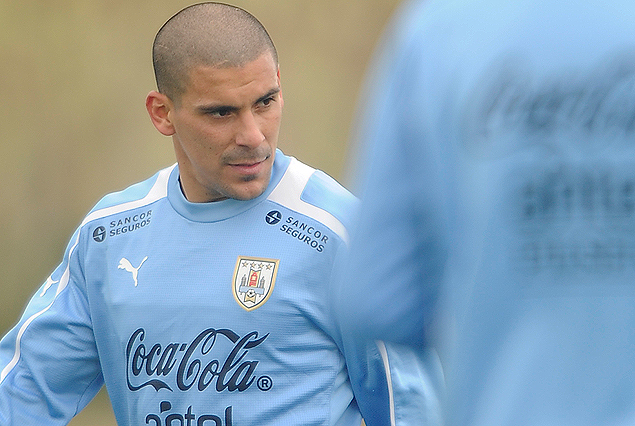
[(248, 166)]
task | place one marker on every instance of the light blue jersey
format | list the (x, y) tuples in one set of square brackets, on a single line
[(499, 204), (198, 314)]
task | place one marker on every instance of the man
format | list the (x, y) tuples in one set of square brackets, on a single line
[(199, 296), (498, 206)]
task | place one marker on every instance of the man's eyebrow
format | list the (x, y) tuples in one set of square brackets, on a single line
[(269, 94), (211, 109)]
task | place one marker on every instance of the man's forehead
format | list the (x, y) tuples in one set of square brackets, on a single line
[(236, 88), (262, 71)]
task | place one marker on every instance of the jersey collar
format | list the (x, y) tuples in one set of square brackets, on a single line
[(220, 210)]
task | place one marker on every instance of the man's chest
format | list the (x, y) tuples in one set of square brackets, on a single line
[(210, 307)]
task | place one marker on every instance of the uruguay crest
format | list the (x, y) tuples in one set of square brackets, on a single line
[(253, 282)]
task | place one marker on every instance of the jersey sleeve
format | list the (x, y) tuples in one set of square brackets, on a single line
[(389, 286), (49, 368), (393, 384)]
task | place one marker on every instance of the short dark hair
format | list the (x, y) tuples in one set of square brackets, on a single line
[(210, 34)]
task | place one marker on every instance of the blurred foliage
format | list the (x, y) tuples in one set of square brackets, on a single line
[(73, 79)]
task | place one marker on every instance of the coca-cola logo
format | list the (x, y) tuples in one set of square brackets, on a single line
[(215, 357), (514, 107)]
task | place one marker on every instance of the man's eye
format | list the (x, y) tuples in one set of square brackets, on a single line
[(268, 101), (221, 113)]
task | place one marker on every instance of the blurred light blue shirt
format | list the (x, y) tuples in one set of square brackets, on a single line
[(497, 149)]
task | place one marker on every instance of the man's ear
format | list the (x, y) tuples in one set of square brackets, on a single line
[(281, 99), (159, 106)]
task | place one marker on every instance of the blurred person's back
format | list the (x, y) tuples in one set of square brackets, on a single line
[(499, 202)]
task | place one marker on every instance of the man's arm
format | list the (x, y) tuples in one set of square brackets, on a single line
[(49, 368)]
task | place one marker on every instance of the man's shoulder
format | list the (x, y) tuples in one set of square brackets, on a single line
[(325, 192), (137, 195), (315, 194)]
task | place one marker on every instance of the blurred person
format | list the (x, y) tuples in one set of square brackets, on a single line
[(497, 157), (200, 295)]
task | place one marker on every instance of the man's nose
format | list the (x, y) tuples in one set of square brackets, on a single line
[(249, 133)]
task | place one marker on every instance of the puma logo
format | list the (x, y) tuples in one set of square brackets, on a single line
[(126, 265), (49, 283)]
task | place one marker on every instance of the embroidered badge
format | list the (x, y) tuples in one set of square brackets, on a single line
[(253, 281)]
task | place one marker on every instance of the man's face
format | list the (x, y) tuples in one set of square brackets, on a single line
[(226, 130)]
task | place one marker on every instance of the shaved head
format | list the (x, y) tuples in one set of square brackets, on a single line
[(209, 34)]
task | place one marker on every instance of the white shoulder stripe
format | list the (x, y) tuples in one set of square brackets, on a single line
[(289, 190), (158, 190)]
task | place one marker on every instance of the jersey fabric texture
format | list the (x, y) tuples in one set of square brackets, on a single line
[(498, 206), (197, 314)]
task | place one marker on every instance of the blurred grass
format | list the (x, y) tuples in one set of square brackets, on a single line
[(73, 78)]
